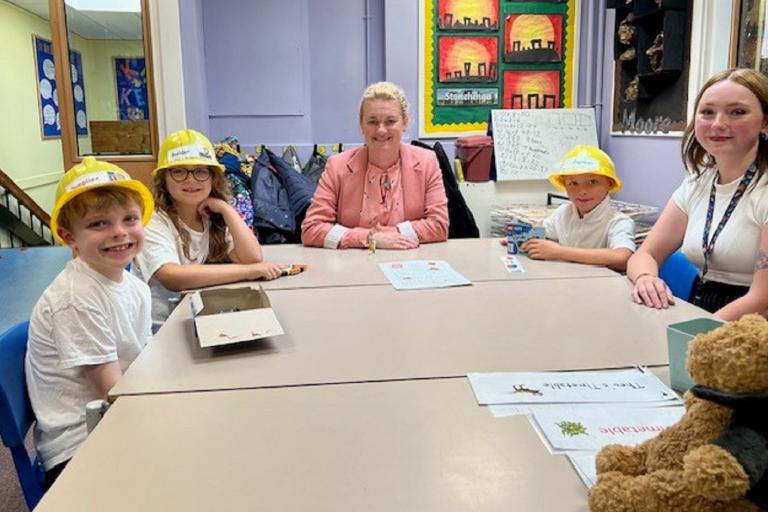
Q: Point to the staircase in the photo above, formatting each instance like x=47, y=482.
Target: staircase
x=22, y=222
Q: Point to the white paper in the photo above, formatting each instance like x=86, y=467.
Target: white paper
x=570, y=428
x=512, y=264
x=529, y=144
x=506, y=410
x=421, y=274
x=584, y=464
x=635, y=385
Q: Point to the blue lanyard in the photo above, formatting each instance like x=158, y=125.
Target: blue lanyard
x=707, y=244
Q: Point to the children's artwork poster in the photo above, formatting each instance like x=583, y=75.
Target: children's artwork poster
x=478, y=55
x=131, y=82
x=45, y=68
x=533, y=38
x=467, y=59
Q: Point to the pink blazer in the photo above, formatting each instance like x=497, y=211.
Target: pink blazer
x=339, y=195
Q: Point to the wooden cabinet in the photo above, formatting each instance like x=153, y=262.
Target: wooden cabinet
x=651, y=51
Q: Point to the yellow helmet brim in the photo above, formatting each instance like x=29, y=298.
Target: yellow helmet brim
x=558, y=179
x=135, y=185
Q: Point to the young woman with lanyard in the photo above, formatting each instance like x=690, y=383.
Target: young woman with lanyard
x=718, y=214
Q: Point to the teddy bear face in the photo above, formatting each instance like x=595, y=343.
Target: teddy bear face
x=732, y=358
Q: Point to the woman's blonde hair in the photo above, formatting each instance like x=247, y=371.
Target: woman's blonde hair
x=385, y=91
x=696, y=158
x=217, y=239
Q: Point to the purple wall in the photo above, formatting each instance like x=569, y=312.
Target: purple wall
x=282, y=72
x=193, y=55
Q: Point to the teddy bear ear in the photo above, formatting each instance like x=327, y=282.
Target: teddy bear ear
x=732, y=358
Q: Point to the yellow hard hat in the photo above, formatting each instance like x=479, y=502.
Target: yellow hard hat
x=585, y=159
x=186, y=148
x=91, y=174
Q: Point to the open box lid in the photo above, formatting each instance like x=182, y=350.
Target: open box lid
x=224, y=316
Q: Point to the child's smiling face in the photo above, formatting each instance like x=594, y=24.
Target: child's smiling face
x=586, y=191
x=192, y=189
x=108, y=238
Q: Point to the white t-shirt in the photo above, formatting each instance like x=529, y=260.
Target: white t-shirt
x=604, y=227
x=738, y=245
x=162, y=245
x=82, y=318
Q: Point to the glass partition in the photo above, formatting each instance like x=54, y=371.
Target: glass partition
x=108, y=71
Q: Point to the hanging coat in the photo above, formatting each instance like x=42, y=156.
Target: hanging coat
x=461, y=221
x=273, y=219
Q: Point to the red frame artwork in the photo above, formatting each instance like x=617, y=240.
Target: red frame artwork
x=531, y=89
x=469, y=59
x=468, y=15
x=530, y=38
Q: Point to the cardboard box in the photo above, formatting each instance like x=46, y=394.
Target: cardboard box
x=678, y=337
x=224, y=316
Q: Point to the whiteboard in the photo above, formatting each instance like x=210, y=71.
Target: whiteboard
x=529, y=144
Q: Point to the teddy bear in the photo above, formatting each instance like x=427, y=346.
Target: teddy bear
x=716, y=457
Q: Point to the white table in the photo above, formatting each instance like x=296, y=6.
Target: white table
x=476, y=259
x=375, y=333
x=395, y=446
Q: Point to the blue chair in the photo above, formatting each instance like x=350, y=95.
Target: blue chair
x=680, y=275
x=16, y=415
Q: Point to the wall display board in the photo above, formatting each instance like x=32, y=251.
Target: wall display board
x=48, y=98
x=651, y=54
x=131, y=83
x=477, y=55
x=529, y=144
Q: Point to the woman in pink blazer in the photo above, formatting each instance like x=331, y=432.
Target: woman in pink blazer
x=384, y=193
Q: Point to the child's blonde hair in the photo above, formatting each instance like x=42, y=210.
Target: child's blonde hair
x=217, y=239
x=98, y=199
x=385, y=91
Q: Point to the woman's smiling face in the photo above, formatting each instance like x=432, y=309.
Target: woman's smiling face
x=382, y=124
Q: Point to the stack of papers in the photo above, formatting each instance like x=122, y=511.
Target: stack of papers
x=422, y=274
x=578, y=413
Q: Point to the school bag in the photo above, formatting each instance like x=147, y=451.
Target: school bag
x=315, y=166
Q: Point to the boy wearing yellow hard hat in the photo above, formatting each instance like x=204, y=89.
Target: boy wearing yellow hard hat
x=94, y=318
x=588, y=229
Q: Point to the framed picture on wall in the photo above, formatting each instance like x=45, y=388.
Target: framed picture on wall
x=131, y=86
x=479, y=55
x=47, y=93
x=749, y=40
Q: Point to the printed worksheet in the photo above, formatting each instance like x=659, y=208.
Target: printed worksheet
x=512, y=264
x=422, y=274
x=584, y=464
x=506, y=410
x=634, y=385
x=590, y=428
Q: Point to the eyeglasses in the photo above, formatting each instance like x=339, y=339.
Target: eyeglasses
x=180, y=174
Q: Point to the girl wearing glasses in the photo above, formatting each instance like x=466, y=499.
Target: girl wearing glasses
x=194, y=224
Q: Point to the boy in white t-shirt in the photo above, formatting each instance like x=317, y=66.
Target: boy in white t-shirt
x=587, y=229
x=95, y=317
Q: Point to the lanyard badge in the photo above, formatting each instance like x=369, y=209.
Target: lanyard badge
x=708, y=244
